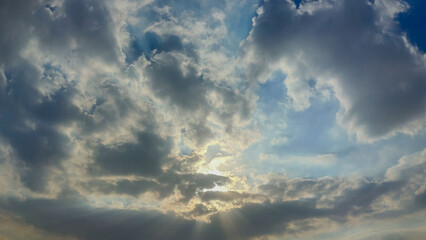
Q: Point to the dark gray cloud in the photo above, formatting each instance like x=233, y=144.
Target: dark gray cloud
x=344, y=196
x=181, y=85
x=224, y=196
x=39, y=98
x=295, y=188
x=234, y=105
x=29, y=119
x=351, y=198
x=78, y=28
x=379, y=82
x=354, y=197
x=201, y=210
x=127, y=187
x=175, y=70
x=145, y=157
x=164, y=185
x=48, y=114
x=360, y=200
x=191, y=184
x=169, y=81
x=14, y=28
x=257, y=220
x=70, y=216
x=74, y=218
x=82, y=27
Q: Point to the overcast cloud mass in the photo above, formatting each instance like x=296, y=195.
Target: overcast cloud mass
x=198, y=120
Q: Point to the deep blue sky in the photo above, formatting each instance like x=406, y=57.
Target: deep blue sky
x=413, y=22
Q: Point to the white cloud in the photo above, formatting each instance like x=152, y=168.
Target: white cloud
x=353, y=46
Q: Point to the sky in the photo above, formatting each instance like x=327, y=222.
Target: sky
x=198, y=120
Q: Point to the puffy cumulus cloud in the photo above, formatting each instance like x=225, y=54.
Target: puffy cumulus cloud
x=354, y=46
x=29, y=121
x=411, y=166
x=127, y=119
x=82, y=29
x=182, y=64
x=182, y=85
x=302, y=201
x=400, y=192
x=342, y=198
x=86, y=94
x=38, y=96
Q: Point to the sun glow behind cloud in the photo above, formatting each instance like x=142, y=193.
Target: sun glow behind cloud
x=212, y=119
x=212, y=166
x=216, y=188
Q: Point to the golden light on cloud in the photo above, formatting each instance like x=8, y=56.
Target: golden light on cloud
x=216, y=188
x=177, y=120
x=213, y=166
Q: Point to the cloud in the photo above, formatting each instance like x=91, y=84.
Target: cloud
x=200, y=210
x=300, y=201
x=130, y=105
x=223, y=196
x=69, y=98
x=29, y=121
x=38, y=98
x=14, y=227
x=411, y=166
x=356, y=195
x=142, y=158
x=168, y=80
x=194, y=183
x=85, y=27
x=415, y=234
x=353, y=46
x=74, y=218
x=164, y=185
x=257, y=220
